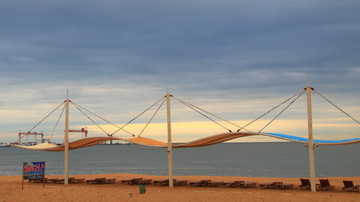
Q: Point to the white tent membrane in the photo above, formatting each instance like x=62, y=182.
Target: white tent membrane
x=206, y=141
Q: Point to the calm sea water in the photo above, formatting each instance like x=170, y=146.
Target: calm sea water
x=228, y=159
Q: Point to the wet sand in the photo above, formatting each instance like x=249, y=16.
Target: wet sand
x=10, y=190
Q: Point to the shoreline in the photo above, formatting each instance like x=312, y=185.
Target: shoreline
x=10, y=190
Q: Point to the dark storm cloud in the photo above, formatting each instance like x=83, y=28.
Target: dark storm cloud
x=203, y=49
x=196, y=35
x=163, y=38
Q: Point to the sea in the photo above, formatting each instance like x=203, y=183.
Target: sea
x=276, y=159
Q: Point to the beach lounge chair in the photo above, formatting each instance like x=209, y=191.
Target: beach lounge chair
x=271, y=185
x=50, y=180
x=305, y=184
x=180, y=182
x=265, y=185
x=349, y=186
x=248, y=185
x=214, y=184
x=143, y=181
x=90, y=181
x=233, y=184
x=162, y=182
x=110, y=181
x=96, y=181
x=71, y=180
x=166, y=182
x=325, y=185
x=100, y=180
x=60, y=181
x=37, y=180
x=201, y=183
x=131, y=181
x=79, y=180
x=285, y=186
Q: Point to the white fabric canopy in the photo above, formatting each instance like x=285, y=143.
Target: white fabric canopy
x=206, y=141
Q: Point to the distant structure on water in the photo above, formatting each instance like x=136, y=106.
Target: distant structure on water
x=2, y=144
x=34, y=138
x=30, y=139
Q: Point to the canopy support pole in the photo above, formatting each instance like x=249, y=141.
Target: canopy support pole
x=169, y=149
x=311, y=141
x=66, y=141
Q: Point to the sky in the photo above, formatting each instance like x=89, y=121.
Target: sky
x=235, y=59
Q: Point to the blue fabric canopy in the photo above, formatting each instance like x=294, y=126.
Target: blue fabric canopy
x=306, y=140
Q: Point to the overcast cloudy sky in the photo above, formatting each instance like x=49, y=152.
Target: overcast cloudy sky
x=235, y=58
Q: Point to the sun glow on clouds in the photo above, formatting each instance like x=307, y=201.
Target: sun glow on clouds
x=189, y=131
x=237, y=69
x=187, y=125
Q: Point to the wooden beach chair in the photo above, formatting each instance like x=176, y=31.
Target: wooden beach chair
x=131, y=181
x=166, y=182
x=71, y=180
x=248, y=185
x=35, y=180
x=201, y=183
x=50, y=180
x=143, y=181
x=285, y=186
x=38, y=180
x=233, y=184
x=349, y=186
x=265, y=185
x=96, y=181
x=271, y=185
x=60, y=181
x=180, y=182
x=214, y=184
x=305, y=184
x=110, y=181
x=100, y=180
x=90, y=181
x=325, y=185
x=162, y=182
x=79, y=180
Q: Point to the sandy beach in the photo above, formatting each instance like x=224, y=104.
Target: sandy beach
x=10, y=190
